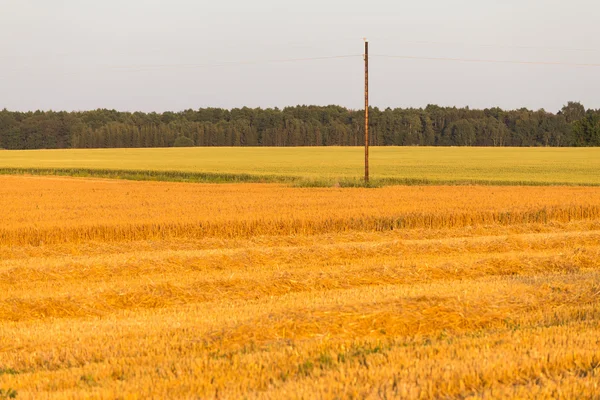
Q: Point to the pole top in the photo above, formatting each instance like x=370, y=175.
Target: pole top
x=366, y=40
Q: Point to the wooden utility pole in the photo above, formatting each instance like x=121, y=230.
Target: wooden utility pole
x=366, y=111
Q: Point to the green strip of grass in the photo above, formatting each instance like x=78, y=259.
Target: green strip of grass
x=375, y=183
x=295, y=181
x=149, y=175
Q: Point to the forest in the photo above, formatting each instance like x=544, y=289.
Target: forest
x=303, y=125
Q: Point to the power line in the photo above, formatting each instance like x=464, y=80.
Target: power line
x=307, y=43
x=487, y=61
x=228, y=63
x=492, y=45
x=149, y=67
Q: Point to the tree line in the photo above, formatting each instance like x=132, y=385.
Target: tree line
x=331, y=125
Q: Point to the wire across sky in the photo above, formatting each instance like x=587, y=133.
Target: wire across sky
x=146, y=67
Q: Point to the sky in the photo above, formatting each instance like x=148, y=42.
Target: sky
x=159, y=55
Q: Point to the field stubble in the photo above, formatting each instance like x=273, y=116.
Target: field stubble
x=115, y=289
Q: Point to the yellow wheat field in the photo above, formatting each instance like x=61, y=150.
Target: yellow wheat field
x=135, y=290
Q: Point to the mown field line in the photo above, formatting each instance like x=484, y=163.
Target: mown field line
x=158, y=294
x=552, y=230
x=481, y=244
x=248, y=228
x=94, y=267
x=196, y=320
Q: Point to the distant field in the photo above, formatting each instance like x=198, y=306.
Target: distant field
x=321, y=165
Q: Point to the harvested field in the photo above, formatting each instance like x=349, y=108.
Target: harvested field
x=118, y=289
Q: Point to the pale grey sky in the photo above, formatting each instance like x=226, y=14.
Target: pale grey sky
x=84, y=54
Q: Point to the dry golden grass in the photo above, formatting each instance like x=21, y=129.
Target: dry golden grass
x=34, y=212
x=115, y=289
